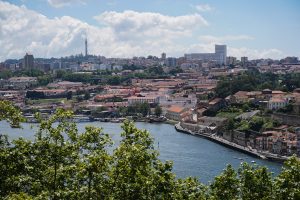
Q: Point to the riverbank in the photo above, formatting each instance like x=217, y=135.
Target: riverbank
x=246, y=150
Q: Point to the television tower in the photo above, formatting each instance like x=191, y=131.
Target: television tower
x=86, y=47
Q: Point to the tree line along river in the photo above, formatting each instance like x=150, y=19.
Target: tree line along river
x=192, y=155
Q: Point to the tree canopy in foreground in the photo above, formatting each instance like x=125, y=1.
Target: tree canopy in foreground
x=61, y=163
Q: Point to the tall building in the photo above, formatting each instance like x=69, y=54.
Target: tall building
x=86, y=47
x=171, y=62
x=163, y=56
x=230, y=60
x=28, y=61
x=244, y=60
x=219, y=56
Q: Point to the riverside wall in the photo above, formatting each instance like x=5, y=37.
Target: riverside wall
x=246, y=150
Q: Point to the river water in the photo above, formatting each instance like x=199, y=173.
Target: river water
x=192, y=155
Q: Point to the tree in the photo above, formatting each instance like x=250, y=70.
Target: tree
x=256, y=123
x=144, y=108
x=255, y=182
x=287, y=183
x=136, y=171
x=158, y=111
x=226, y=185
x=114, y=80
x=87, y=95
x=10, y=113
x=69, y=95
x=61, y=163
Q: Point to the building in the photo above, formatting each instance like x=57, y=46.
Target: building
x=18, y=83
x=219, y=56
x=171, y=62
x=177, y=113
x=231, y=60
x=276, y=103
x=86, y=47
x=139, y=99
x=163, y=56
x=244, y=60
x=28, y=62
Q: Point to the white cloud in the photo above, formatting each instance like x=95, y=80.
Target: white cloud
x=223, y=39
x=121, y=34
x=254, y=53
x=62, y=3
x=124, y=34
x=204, y=7
x=140, y=25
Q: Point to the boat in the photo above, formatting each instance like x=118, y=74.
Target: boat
x=115, y=121
x=253, y=161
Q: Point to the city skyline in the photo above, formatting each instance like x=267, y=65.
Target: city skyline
x=56, y=28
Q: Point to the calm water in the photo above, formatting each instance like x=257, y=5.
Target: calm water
x=192, y=156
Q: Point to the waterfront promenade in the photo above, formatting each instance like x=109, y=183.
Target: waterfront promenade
x=222, y=141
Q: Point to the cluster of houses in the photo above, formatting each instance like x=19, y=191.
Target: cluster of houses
x=184, y=98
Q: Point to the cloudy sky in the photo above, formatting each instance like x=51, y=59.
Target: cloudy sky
x=126, y=28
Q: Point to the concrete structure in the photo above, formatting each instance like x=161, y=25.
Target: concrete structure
x=219, y=56
x=176, y=113
x=86, y=47
x=28, y=62
x=276, y=103
x=163, y=56
x=231, y=60
x=171, y=62
x=244, y=60
x=18, y=83
x=148, y=99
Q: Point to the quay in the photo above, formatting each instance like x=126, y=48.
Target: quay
x=246, y=150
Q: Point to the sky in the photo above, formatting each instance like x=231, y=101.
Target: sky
x=127, y=28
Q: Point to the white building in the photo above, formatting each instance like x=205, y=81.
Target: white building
x=146, y=99
x=276, y=103
x=219, y=56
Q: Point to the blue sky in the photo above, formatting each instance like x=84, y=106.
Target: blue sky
x=125, y=28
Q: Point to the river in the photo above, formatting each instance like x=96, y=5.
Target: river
x=192, y=155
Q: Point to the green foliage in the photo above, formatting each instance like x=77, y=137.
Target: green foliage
x=5, y=74
x=225, y=185
x=61, y=163
x=85, y=78
x=253, y=80
x=175, y=71
x=158, y=111
x=29, y=72
x=137, y=108
x=287, y=183
x=156, y=70
x=114, y=80
x=255, y=182
x=45, y=79
x=87, y=95
x=256, y=123
x=10, y=113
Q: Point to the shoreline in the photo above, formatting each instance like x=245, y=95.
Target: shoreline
x=221, y=141
x=176, y=124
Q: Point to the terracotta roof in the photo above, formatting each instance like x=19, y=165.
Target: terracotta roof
x=176, y=109
x=241, y=93
x=278, y=100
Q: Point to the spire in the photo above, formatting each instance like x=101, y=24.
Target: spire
x=86, y=47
